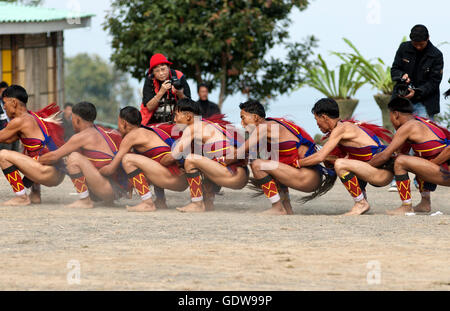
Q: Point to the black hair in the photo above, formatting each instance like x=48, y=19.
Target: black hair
x=253, y=106
x=326, y=106
x=3, y=85
x=17, y=92
x=131, y=115
x=68, y=105
x=419, y=33
x=203, y=84
x=188, y=105
x=85, y=111
x=401, y=104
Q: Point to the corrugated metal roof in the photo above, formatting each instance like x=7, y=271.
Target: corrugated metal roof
x=16, y=13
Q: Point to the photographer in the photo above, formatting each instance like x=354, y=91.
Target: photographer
x=418, y=69
x=162, y=89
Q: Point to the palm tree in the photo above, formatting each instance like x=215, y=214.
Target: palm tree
x=376, y=73
x=341, y=85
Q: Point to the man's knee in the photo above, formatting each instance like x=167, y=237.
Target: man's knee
x=127, y=159
x=401, y=161
x=3, y=154
x=339, y=165
x=256, y=165
x=74, y=159
x=191, y=160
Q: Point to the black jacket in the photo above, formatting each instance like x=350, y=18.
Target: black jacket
x=208, y=108
x=429, y=73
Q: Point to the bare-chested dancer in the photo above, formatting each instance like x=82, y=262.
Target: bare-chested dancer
x=40, y=133
x=356, y=141
x=276, y=176
x=89, y=150
x=151, y=161
x=216, y=144
x=428, y=140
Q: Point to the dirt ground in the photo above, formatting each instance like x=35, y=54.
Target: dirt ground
x=233, y=248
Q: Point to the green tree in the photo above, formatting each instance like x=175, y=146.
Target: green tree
x=223, y=43
x=90, y=78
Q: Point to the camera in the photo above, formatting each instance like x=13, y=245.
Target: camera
x=403, y=87
x=176, y=83
x=164, y=112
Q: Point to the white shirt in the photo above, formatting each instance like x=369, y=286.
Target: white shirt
x=3, y=116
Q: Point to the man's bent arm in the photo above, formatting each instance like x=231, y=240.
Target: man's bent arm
x=336, y=136
x=184, y=142
x=125, y=147
x=73, y=144
x=10, y=133
x=443, y=157
x=397, y=142
x=248, y=145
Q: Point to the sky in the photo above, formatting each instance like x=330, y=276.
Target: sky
x=376, y=27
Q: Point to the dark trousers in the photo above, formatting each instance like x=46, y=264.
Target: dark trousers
x=14, y=146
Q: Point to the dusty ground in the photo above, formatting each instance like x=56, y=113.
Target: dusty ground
x=233, y=248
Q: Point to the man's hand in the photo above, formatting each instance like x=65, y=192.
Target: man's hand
x=406, y=77
x=410, y=94
x=107, y=170
x=48, y=159
x=168, y=160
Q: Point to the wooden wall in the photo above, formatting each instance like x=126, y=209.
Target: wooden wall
x=37, y=64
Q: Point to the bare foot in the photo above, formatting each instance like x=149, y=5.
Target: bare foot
x=144, y=206
x=160, y=204
x=22, y=200
x=277, y=209
x=194, y=207
x=402, y=210
x=288, y=207
x=360, y=208
x=424, y=206
x=83, y=204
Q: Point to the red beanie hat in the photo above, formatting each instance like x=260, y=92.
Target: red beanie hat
x=158, y=59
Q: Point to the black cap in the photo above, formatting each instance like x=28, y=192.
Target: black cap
x=419, y=33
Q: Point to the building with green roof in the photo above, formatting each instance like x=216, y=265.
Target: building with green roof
x=32, y=49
